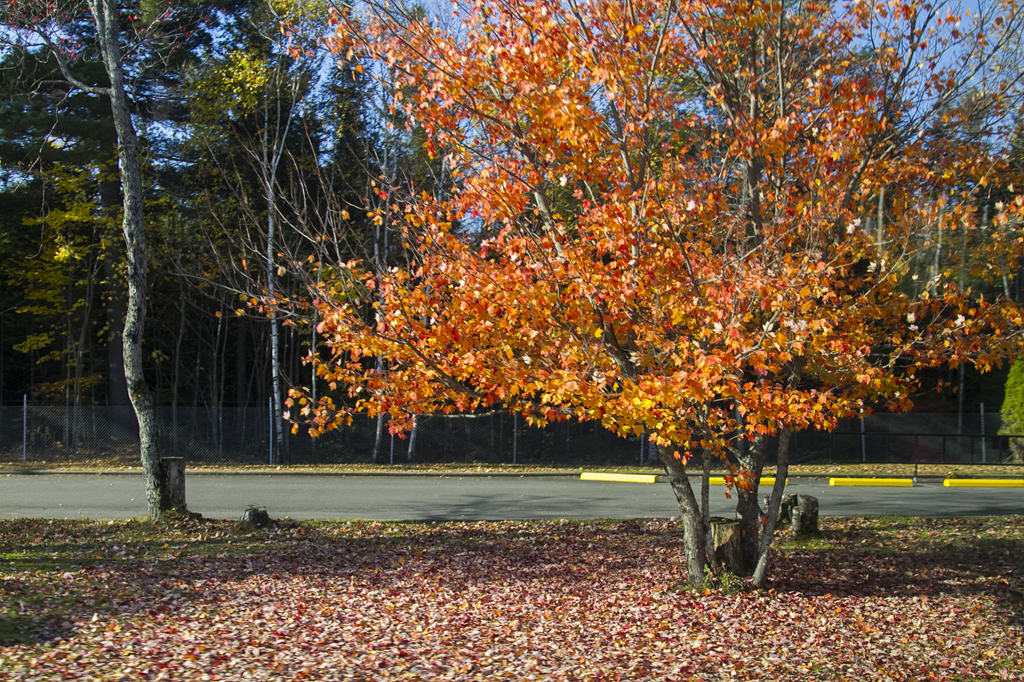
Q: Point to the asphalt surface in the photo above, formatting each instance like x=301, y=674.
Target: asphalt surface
x=384, y=497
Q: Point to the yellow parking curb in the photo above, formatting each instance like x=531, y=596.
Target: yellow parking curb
x=983, y=483
x=883, y=482
x=720, y=480
x=621, y=478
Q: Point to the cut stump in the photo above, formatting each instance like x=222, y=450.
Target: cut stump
x=725, y=537
x=172, y=476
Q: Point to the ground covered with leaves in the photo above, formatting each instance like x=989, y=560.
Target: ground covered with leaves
x=868, y=599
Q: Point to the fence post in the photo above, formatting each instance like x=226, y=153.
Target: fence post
x=863, y=442
x=984, y=459
x=24, y=428
x=270, y=433
x=515, y=436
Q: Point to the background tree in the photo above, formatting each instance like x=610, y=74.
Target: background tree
x=1013, y=411
x=121, y=39
x=202, y=174
x=275, y=140
x=61, y=187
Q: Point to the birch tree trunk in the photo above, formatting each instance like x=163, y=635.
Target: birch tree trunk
x=277, y=405
x=105, y=15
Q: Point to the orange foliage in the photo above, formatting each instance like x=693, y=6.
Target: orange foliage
x=660, y=219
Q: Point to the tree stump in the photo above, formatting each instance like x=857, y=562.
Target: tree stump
x=725, y=538
x=800, y=512
x=785, y=509
x=172, y=477
x=255, y=517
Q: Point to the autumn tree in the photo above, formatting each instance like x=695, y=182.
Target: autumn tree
x=818, y=133
x=659, y=223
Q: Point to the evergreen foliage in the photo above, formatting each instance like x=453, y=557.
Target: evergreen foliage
x=1012, y=412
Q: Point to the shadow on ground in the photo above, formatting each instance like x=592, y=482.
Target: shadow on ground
x=57, y=575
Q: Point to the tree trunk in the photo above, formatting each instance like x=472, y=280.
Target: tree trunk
x=410, y=454
x=269, y=160
x=705, y=512
x=275, y=371
x=106, y=17
x=117, y=384
x=748, y=508
x=772, y=513
x=83, y=335
x=115, y=306
x=243, y=365
x=378, y=441
x=176, y=373
x=694, y=543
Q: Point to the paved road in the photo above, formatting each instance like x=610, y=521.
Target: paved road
x=453, y=497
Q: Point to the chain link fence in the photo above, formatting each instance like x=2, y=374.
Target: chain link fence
x=925, y=438
x=242, y=435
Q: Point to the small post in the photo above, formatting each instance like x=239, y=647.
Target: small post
x=270, y=433
x=24, y=427
x=984, y=458
x=863, y=442
x=391, y=456
x=515, y=436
